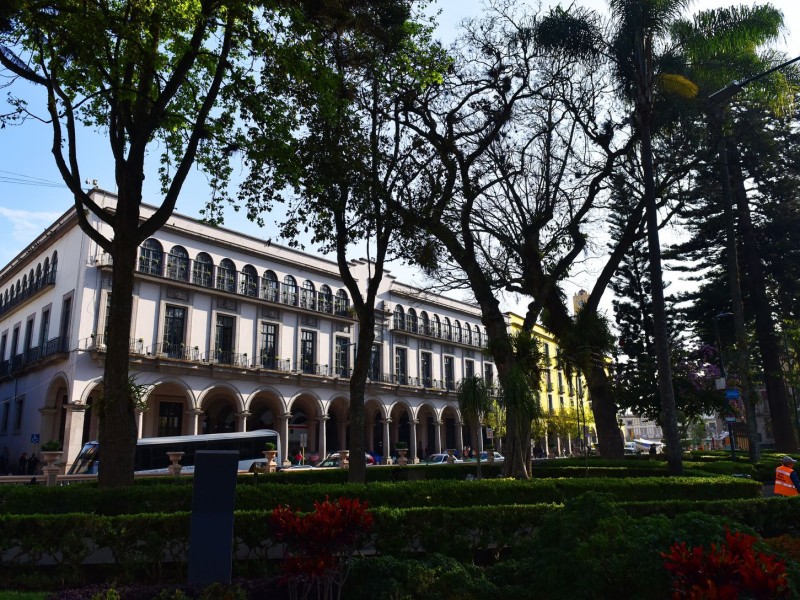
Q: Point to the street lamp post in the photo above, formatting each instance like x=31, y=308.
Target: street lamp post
x=724, y=380
x=719, y=100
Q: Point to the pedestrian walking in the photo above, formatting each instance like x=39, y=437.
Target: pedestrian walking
x=787, y=483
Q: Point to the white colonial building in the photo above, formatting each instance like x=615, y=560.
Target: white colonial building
x=229, y=333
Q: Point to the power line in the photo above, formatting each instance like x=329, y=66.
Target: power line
x=30, y=180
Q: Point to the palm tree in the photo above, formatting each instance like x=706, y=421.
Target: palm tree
x=641, y=28
x=474, y=401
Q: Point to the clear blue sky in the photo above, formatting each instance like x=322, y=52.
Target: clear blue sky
x=32, y=195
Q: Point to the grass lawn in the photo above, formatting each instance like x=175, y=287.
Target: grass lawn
x=9, y=595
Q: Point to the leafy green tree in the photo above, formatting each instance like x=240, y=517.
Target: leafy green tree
x=511, y=182
x=145, y=74
x=343, y=159
x=474, y=400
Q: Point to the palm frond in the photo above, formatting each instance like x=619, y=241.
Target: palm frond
x=678, y=85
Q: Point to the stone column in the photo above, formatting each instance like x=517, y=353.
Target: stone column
x=437, y=436
x=73, y=433
x=412, y=441
x=197, y=420
x=241, y=421
x=139, y=422
x=322, y=443
x=49, y=423
x=460, y=438
x=283, y=430
x=386, y=448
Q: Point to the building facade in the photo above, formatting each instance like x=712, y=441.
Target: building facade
x=562, y=397
x=229, y=333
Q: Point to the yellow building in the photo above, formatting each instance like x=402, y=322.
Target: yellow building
x=568, y=421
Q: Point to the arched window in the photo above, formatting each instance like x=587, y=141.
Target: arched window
x=47, y=267
x=249, y=282
x=326, y=299
x=448, y=329
x=424, y=323
x=269, y=286
x=30, y=278
x=6, y=297
x=309, y=296
x=477, y=336
x=178, y=264
x=457, y=332
x=54, y=264
x=151, y=257
x=226, y=275
x=467, y=334
x=24, y=283
x=399, y=317
x=19, y=288
x=289, y=290
x=411, y=320
x=342, y=303
x=38, y=274
x=437, y=326
x=202, y=268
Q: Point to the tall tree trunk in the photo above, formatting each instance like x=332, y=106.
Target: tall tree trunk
x=117, y=419
x=742, y=362
x=777, y=396
x=669, y=417
x=605, y=413
x=358, y=384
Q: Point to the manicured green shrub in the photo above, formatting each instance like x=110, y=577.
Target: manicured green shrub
x=434, y=577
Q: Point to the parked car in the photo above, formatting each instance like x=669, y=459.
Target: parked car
x=440, y=459
x=333, y=461
x=497, y=456
x=630, y=448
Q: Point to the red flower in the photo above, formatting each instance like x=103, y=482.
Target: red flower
x=319, y=544
x=726, y=572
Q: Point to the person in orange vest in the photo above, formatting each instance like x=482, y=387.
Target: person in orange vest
x=787, y=483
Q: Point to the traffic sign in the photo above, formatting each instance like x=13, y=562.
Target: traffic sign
x=730, y=419
x=731, y=394
x=34, y=438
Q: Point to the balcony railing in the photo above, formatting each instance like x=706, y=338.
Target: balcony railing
x=410, y=326
x=242, y=283
x=267, y=362
x=31, y=356
x=47, y=279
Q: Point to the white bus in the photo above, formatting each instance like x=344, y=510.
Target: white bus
x=151, y=453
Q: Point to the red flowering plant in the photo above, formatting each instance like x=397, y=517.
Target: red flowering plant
x=729, y=571
x=319, y=545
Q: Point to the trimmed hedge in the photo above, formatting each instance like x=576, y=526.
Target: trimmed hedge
x=140, y=545
x=176, y=497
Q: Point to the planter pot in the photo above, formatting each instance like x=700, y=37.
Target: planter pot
x=270, y=456
x=175, y=459
x=50, y=457
x=402, y=459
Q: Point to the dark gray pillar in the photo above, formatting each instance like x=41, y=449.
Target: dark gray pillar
x=211, y=533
